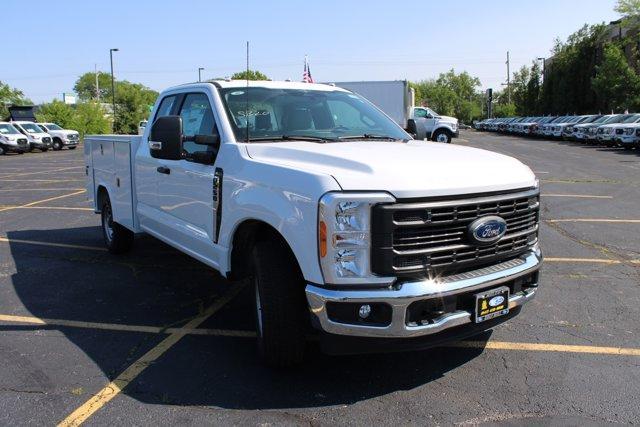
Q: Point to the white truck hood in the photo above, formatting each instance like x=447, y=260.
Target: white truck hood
x=406, y=170
x=448, y=119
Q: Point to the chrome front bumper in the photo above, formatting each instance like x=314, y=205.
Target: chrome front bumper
x=400, y=297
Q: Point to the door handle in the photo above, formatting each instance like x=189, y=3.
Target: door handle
x=163, y=169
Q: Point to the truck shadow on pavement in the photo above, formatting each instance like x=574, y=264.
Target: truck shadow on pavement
x=155, y=285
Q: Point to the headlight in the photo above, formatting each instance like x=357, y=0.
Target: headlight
x=344, y=237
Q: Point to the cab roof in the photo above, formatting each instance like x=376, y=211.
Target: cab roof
x=271, y=84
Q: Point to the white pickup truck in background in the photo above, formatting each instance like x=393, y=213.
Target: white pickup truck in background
x=344, y=225
x=397, y=99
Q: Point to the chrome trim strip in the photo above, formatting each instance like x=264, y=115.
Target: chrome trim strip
x=400, y=297
x=470, y=201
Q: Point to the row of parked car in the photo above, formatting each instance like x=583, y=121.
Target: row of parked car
x=612, y=130
x=23, y=136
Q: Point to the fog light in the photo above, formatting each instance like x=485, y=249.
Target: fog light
x=365, y=311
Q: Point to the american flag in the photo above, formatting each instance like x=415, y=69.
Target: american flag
x=306, y=76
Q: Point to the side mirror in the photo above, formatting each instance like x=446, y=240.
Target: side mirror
x=165, y=139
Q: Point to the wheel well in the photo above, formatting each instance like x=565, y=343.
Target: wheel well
x=57, y=138
x=246, y=236
x=102, y=194
x=445, y=130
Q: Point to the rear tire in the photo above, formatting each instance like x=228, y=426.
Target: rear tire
x=117, y=238
x=281, y=307
x=442, y=136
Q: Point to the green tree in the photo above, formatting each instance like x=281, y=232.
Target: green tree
x=132, y=106
x=249, y=75
x=628, y=7
x=616, y=83
x=10, y=96
x=85, y=86
x=451, y=94
x=90, y=118
x=57, y=112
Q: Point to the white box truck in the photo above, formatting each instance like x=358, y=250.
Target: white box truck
x=397, y=99
x=344, y=226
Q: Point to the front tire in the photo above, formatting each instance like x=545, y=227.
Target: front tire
x=280, y=304
x=117, y=238
x=2, y=151
x=442, y=136
x=57, y=144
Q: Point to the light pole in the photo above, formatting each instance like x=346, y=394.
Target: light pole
x=113, y=88
x=199, y=75
x=544, y=65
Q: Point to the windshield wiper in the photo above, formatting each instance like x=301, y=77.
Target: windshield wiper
x=369, y=136
x=291, y=138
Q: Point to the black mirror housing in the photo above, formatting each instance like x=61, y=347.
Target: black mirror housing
x=165, y=139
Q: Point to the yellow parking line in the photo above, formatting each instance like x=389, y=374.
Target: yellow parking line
x=55, y=245
x=39, y=172
x=578, y=196
x=31, y=320
x=114, y=388
x=69, y=208
x=44, y=200
x=605, y=220
x=493, y=345
x=560, y=348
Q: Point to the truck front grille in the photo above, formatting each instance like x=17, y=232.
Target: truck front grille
x=431, y=238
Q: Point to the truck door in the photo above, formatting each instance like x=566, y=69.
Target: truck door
x=186, y=194
x=146, y=172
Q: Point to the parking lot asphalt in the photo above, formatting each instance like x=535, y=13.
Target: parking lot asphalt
x=154, y=337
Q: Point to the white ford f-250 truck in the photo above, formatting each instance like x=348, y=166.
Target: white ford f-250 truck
x=343, y=224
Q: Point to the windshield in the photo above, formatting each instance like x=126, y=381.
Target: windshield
x=52, y=126
x=602, y=119
x=31, y=127
x=631, y=119
x=6, y=129
x=287, y=113
x=616, y=119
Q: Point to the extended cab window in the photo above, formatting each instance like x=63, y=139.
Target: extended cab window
x=197, y=119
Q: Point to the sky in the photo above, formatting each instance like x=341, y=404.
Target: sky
x=163, y=43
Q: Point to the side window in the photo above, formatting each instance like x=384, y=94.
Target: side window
x=420, y=113
x=197, y=119
x=166, y=106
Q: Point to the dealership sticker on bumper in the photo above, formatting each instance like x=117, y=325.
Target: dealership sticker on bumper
x=491, y=304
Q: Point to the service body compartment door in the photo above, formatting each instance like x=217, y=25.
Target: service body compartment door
x=122, y=198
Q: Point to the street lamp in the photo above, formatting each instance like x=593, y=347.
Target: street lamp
x=113, y=88
x=199, y=75
x=544, y=65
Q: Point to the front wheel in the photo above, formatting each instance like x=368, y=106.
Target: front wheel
x=442, y=136
x=2, y=151
x=57, y=144
x=117, y=238
x=44, y=149
x=280, y=304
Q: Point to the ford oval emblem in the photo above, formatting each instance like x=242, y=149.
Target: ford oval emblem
x=487, y=230
x=495, y=301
